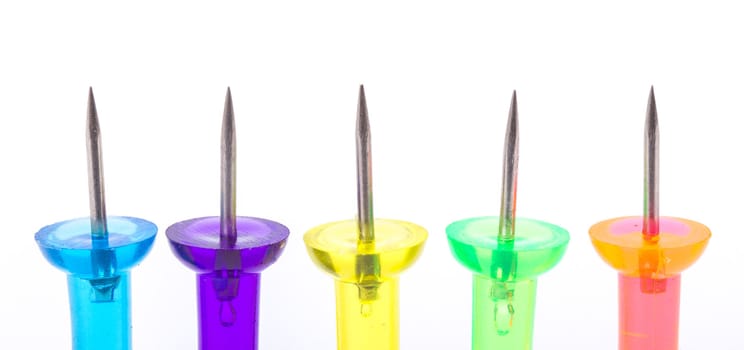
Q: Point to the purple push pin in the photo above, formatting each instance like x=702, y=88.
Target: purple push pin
x=228, y=254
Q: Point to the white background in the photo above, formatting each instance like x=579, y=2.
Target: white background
x=438, y=77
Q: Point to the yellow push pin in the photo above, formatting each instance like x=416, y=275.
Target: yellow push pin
x=365, y=257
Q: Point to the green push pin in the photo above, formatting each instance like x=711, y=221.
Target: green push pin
x=506, y=254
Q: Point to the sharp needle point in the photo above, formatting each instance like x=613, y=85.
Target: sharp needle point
x=651, y=170
x=365, y=216
x=509, y=176
x=96, y=195
x=228, y=230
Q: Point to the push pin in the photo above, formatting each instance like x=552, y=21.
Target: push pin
x=506, y=255
x=649, y=252
x=365, y=257
x=97, y=254
x=228, y=253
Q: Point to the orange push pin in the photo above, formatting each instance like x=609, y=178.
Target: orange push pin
x=649, y=252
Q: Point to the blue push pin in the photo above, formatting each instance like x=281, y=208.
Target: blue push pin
x=97, y=254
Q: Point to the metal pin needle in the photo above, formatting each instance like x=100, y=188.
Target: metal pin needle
x=365, y=215
x=98, y=228
x=228, y=231
x=509, y=176
x=651, y=170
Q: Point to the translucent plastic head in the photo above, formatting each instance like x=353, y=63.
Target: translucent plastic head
x=98, y=276
x=335, y=247
x=505, y=275
x=68, y=245
x=196, y=242
x=649, y=275
x=537, y=247
x=621, y=244
x=366, y=274
x=228, y=278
